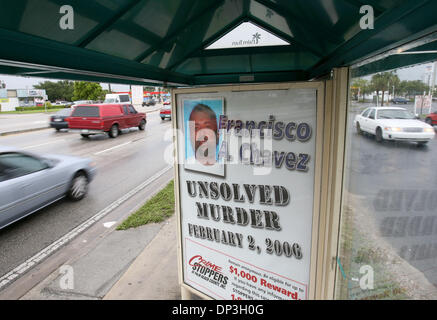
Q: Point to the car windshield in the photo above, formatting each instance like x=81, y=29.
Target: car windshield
x=112, y=100
x=64, y=112
x=395, y=114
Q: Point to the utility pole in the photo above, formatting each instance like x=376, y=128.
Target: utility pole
x=434, y=69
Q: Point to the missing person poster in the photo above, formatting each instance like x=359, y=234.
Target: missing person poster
x=246, y=186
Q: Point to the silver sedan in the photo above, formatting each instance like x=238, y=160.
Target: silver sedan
x=29, y=182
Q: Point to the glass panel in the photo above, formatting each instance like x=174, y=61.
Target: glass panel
x=86, y=111
x=388, y=236
x=121, y=44
x=270, y=16
x=190, y=39
x=42, y=18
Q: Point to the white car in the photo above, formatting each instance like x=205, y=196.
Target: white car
x=79, y=102
x=392, y=123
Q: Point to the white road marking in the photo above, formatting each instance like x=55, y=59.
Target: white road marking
x=109, y=224
x=44, y=253
x=42, y=144
x=109, y=149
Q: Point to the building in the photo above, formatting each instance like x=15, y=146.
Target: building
x=10, y=99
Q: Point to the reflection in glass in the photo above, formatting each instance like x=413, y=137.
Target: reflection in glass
x=388, y=236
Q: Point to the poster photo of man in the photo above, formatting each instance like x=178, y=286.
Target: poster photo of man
x=202, y=137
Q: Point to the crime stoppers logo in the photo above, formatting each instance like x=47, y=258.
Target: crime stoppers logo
x=208, y=271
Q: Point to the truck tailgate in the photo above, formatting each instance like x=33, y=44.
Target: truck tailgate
x=85, y=117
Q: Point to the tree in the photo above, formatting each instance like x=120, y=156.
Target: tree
x=384, y=82
x=394, y=82
x=377, y=83
x=58, y=90
x=88, y=91
x=412, y=88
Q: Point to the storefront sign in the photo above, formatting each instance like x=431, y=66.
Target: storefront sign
x=247, y=192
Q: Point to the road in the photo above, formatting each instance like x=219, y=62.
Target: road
x=396, y=183
x=122, y=163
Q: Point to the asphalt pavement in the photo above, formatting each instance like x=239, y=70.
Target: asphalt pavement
x=122, y=164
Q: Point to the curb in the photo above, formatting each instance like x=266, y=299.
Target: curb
x=22, y=131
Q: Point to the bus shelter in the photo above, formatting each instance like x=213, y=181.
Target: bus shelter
x=265, y=157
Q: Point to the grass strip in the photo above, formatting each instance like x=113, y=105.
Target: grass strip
x=31, y=111
x=157, y=209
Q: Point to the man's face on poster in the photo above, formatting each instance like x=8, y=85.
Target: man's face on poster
x=206, y=136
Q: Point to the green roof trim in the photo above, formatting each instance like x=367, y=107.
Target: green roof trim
x=162, y=42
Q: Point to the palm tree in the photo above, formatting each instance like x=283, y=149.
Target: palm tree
x=256, y=37
x=383, y=82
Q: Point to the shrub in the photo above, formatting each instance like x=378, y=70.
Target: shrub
x=42, y=108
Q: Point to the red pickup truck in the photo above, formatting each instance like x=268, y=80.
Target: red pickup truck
x=431, y=119
x=111, y=118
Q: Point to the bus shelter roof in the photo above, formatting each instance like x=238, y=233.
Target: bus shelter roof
x=165, y=42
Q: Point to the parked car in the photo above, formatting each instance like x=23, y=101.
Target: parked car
x=117, y=98
x=165, y=112
x=99, y=118
x=29, y=182
x=58, y=120
x=149, y=102
x=431, y=119
x=63, y=103
x=393, y=123
x=79, y=102
x=166, y=102
x=399, y=101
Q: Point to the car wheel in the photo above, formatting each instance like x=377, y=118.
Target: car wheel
x=57, y=129
x=422, y=143
x=428, y=121
x=359, y=128
x=113, y=132
x=78, y=187
x=378, y=135
x=142, y=125
x=86, y=136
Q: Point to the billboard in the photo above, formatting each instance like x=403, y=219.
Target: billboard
x=422, y=104
x=246, y=185
x=137, y=95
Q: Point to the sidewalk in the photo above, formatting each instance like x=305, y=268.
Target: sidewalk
x=154, y=274
x=135, y=264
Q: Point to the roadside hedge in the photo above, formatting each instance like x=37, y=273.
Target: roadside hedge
x=42, y=108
